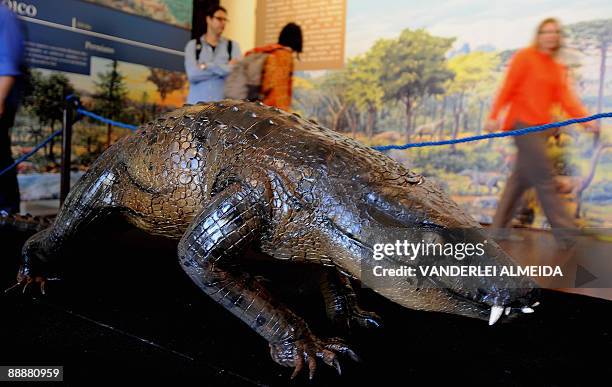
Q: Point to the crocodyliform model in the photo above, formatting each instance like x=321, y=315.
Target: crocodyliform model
x=225, y=176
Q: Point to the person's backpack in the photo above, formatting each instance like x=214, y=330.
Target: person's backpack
x=244, y=81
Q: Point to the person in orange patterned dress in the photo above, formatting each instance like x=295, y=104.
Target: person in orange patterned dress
x=276, y=84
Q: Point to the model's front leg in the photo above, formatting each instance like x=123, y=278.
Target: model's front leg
x=89, y=201
x=234, y=219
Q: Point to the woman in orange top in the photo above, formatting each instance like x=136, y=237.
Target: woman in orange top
x=276, y=84
x=536, y=81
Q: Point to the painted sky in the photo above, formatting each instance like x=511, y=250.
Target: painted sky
x=503, y=24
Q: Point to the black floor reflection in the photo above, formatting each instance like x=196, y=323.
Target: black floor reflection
x=125, y=309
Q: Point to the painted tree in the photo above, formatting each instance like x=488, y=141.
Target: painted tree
x=166, y=81
x=333, y=97
x=472, y=71
x=414, y=66
x=586, y=181
x=594, y=36
x=363, y=88
x=305, y=99
x=483, y=94
x=144, y=111
x=46, y=101
x=110, y=97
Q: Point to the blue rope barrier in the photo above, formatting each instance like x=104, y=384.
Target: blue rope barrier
x=106, y=120
x=30, y=153
x=517, y=132
x=382, y=148
x=74, y=98
x=45, y=142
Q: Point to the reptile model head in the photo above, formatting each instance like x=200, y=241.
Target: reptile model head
x=408, y=224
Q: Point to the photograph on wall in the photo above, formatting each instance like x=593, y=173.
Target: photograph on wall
x=175, y=12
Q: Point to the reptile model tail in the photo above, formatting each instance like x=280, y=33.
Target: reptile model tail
x=24, y=223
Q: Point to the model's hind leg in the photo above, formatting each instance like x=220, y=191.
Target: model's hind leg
x=233, y=220
x=90, y=200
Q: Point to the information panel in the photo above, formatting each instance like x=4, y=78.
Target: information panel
x=323, y=24
x=64, y=34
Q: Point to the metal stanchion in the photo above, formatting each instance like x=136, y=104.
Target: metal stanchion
x=68, y=118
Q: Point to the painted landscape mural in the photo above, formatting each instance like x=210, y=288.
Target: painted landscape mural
x=428, y=72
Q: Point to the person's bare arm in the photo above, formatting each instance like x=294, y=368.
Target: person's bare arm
x=6, y=83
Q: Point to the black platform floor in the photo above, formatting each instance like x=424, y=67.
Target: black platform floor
x=125, y=310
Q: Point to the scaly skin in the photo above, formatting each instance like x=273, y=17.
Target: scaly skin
x=221, y=177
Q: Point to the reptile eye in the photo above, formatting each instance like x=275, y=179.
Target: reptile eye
x=383, y=218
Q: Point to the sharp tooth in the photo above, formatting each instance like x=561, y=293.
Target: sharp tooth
x=507, y=311
x=496, y=312
x=535, y=304
x=527, y=310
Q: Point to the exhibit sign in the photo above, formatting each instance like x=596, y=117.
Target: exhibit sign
x=63, y=35
x=323, y=24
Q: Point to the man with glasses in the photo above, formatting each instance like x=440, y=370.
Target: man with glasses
x=208, y=60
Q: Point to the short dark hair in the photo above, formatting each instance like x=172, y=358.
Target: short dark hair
x=291, y=36
x=210, y=12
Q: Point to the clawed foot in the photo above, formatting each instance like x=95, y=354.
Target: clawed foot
x=24, y=280
x=34, y=269
x=306, y=351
